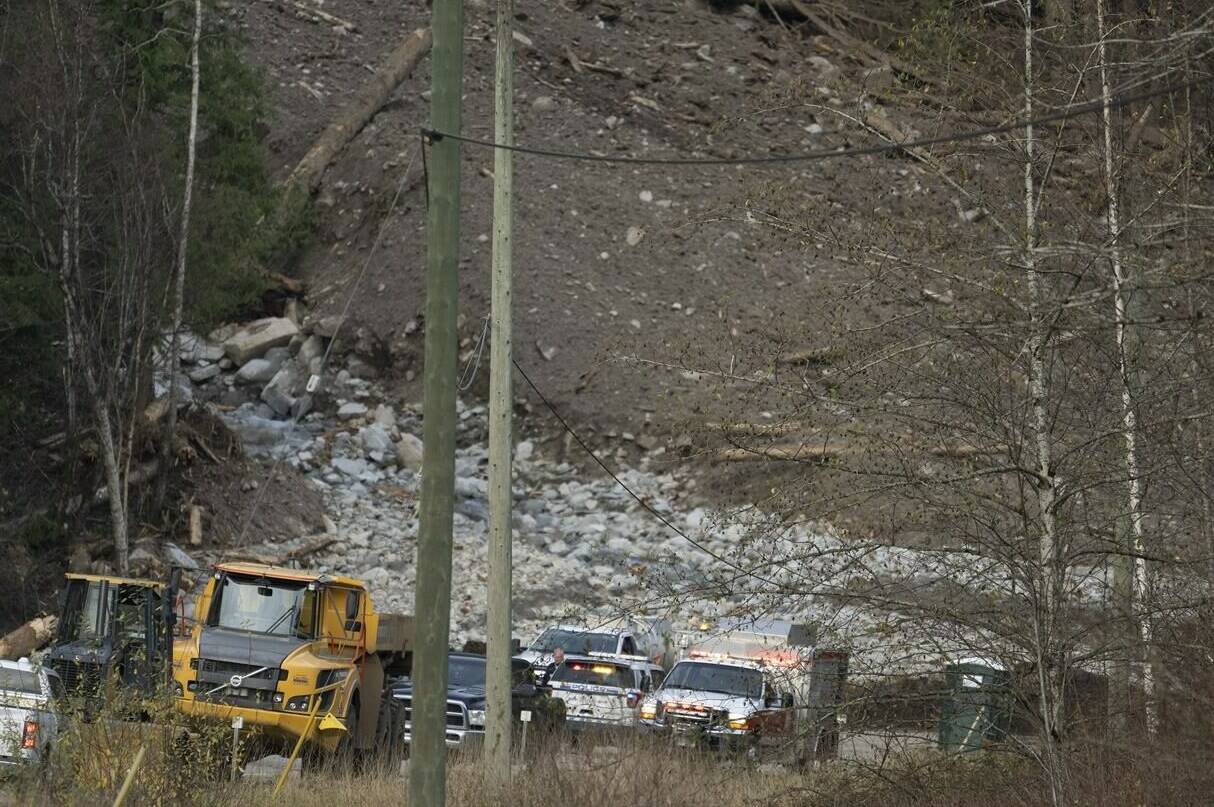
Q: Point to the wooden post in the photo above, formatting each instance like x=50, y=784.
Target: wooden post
x=427, y=770
x=498, y=709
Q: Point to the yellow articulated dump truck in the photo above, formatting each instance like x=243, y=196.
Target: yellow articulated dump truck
x=295, y=655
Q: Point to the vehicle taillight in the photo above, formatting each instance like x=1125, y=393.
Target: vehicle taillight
x=29, y=736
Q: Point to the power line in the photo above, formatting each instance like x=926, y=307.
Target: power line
x=641, y=501
x=433, y=135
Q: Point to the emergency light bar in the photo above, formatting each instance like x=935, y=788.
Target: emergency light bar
x=617, y=656
x=769, y=658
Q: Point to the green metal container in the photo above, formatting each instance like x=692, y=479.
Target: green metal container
x=978, y=706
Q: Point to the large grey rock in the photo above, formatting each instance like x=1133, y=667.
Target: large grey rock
x=208, y=351
x=350, y=467
x=176, y=556
x=409, y=452
x=279, y=394
x=375, y=439
x=470, y=486
x=312, y=348
x=524, y=450
x=278, y=355
x=324, y=326
x=201, y=375
x=474, y=509
x=385, y=416
x=256, y=371
x=351, y=410
x=254, y=339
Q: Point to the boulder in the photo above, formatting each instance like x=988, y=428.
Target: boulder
x=200, y=375
x=256, y=371
x=350, y=467
x=524, y=450
x=385, y=416
x=279, y=394
x=254, y=339
x=312, y=348
x=176, y=556
x=409, y=452
x=375, y=439
x=324, y=326
x=351, y=410
x=208, y=351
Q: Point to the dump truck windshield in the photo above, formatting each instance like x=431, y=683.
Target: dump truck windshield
x=257, y=605
x=720, y=678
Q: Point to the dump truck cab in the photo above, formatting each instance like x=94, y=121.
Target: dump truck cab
x=294, y=654
x=113, y=629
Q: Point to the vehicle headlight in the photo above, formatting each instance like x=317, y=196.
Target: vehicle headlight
x=476, y=717
x=298, y=703
x=738, y=721
x=649, y=710
x=178, y=691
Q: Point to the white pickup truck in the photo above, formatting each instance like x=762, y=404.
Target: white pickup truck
x=649, y=638
x=28, y=723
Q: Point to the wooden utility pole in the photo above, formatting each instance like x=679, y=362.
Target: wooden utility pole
x=498, y=711
x=427, y=768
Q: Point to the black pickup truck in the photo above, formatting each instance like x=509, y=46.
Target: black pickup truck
x=466, y=702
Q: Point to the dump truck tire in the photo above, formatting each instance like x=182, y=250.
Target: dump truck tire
x=388, y=749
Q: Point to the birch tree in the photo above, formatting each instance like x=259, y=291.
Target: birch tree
x=183, y=240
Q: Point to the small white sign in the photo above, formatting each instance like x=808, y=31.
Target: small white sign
x=238, y=722
x=525, y=716
x=313, y=384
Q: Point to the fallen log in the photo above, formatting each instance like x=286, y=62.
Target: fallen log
x=810, y=355
x=799, y=452
x=399, y=64
x=821, y=452
x=759, y=429
x=313, y=14
x=195, y=525
x=29, y=637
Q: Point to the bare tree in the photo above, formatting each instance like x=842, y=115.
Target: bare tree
x=183, y=240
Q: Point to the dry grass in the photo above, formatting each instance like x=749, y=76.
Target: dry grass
x=647, y=775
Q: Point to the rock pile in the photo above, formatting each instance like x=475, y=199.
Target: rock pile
x=585, y=549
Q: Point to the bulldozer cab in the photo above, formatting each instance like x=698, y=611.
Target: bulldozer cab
x=114, y=629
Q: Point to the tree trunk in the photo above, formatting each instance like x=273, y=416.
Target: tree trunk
x=29, y=637
x=113, y=485
x=1123, y=331
x=394, y=70
x=1049, y=667
x=170, y=428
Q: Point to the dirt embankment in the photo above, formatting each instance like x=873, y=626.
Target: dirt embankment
x=626, y=275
